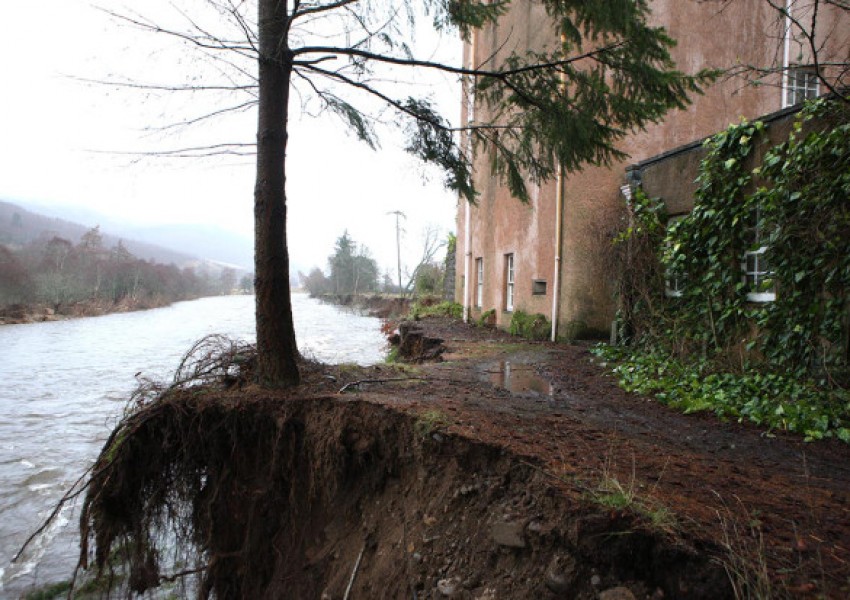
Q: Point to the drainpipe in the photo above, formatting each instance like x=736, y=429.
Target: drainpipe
x=559, y=229
x=559, y=234
x=786, y=52
x=467, y=236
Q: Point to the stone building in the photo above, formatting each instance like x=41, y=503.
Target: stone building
x=536, y=258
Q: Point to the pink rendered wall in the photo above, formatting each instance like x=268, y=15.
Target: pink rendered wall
x=710, y=34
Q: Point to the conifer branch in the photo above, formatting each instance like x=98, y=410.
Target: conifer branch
x=412, y=62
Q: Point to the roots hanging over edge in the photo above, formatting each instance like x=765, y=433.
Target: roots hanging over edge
x=199, y=479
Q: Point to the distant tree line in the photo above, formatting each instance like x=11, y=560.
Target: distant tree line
x=54, y=272
x=352, y=270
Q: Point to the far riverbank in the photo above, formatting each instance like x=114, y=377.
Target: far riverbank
x=18, y=314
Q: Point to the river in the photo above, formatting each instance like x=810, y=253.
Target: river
x=64, y=384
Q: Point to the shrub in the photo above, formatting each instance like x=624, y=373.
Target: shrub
x=487, y=319
x=777, y=401
x=533, y=327
x=443, y=309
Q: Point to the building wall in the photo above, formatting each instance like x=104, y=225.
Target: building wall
x=671, y=176
x=710, y=35
x=500, y=224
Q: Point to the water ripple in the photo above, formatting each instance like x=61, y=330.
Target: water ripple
x=65, y=384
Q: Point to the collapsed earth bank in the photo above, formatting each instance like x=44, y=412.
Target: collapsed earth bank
x=327, y=497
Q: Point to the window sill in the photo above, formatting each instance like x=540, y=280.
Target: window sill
x=761, y=296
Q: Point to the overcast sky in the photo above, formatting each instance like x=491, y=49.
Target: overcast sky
x=60, y=138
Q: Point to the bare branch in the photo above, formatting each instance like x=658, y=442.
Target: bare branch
x=337, y=76
x=211, y=43
x=320, y=8
x=360, y=382
x=226, y=149
x=370, y=90
x=165, y=88
x=250, y=35
x=211, y=115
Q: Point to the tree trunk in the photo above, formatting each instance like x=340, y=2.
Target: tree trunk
x=276, y=349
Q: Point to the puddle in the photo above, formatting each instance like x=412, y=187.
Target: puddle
x=518, y=379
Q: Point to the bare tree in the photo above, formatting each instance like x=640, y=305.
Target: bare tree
x=432, y=243
x=812, y=48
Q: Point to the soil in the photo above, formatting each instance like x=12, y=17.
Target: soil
x=510, y=469
x=769, y=495
x=16, y=314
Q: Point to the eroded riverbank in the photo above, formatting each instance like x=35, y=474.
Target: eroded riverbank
x=444, y=480
x=331, y=497
x=24, y=314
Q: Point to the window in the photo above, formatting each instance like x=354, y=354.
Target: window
x=538, y=287
x=757, y=273
x=469, y=97
x=674, y=279
x=802, y=85
x=509, y=282
x=674, y=283
x=479, y=282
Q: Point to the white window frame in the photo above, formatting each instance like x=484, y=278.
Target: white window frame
x=479, y=282
x=469, y=89
x=510, y=277
x=754, y=276
x=673, y=282
x=803, y=84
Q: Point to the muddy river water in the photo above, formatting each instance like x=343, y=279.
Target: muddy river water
x=64, y=384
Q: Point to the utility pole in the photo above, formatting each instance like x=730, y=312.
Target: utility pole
x=398, y=214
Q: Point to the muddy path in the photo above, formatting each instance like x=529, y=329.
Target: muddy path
x=769, y=495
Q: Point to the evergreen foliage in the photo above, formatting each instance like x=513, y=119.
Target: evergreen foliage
x=569, y=104
x=487, y=318
x=352, y=269
x=425, y=308
x=769, y=399
x=611, y=74
x=428, y=280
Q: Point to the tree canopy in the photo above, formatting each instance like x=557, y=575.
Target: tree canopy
x=352, y=269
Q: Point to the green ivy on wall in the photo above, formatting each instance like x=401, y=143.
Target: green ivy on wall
x=806, y=206
x=706, y=247
x=787, y=218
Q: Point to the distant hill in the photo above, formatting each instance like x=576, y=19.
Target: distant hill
x=19, y=226
x=212, y=243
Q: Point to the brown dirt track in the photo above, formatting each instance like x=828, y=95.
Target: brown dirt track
x=769, y=495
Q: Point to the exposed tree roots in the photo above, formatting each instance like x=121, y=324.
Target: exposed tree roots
x=250, y=494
